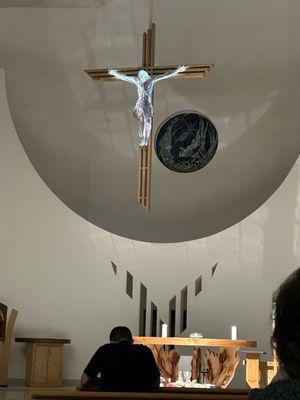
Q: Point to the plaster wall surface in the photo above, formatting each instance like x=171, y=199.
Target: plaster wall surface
x=55, y=266
x=81, y=137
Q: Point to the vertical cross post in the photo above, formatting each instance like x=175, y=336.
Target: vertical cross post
x=145, y=154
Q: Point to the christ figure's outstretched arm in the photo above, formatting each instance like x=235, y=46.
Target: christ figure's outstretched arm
x=122, y=77
x=181, y=68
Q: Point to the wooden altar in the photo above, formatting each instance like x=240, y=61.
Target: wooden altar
x=198, y=342
x=219, y=366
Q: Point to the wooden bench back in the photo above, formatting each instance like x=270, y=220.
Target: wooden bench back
x=164, y=394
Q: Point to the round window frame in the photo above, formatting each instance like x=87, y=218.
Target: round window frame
x=170, y=117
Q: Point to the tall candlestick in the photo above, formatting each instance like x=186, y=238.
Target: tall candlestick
x=234, y=332
x=164, y=330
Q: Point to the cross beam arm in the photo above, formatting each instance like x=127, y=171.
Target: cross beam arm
x=193, y=71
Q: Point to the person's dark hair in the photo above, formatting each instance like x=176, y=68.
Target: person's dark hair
x=120, y=333
x=286, y=335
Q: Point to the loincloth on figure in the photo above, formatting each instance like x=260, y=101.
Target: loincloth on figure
x=143, y=109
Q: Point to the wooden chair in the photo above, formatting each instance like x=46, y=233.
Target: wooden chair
x=259, y=373
x=5, y=348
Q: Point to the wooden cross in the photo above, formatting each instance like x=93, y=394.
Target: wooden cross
x=148, y=64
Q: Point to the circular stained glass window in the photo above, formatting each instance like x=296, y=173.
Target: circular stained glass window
x=186, y=142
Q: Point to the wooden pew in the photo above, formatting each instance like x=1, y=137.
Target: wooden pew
x=162, y=394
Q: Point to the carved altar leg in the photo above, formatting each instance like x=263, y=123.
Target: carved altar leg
x=196, y=364
x=155, y=350
x=221, y=367
x=5, y=349
x=167, y=362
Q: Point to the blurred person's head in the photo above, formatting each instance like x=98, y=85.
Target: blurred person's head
x=286, y=334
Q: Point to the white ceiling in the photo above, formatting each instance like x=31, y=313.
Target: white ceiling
x=81, y=136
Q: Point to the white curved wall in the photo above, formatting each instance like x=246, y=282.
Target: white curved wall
x=55, y=266
x=81, y=137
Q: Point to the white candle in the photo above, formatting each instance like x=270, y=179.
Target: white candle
x=164, y=330
x=234, y=332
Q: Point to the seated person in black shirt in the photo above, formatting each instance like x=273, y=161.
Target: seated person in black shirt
x=123, y=366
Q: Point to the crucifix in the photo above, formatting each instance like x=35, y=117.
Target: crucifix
x=146, y=127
